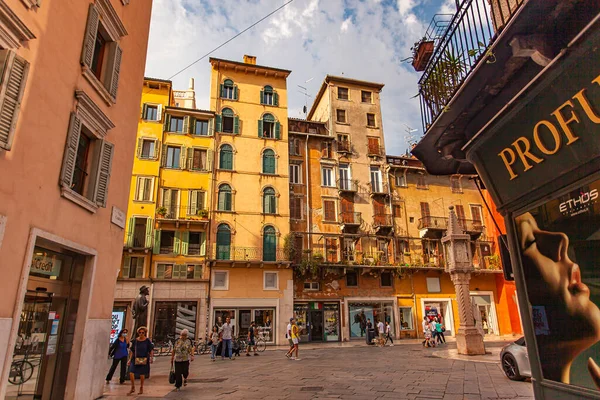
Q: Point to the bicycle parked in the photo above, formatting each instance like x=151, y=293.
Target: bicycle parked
x=22, y=370
x=164, y=347
x=201, y=346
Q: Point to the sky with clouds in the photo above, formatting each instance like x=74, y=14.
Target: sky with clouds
x=361, y=39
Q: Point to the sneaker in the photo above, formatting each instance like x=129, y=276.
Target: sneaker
x=185, y=382
x=255, y=354
x=292, y=358
x=247, y=354
x=214, y=359
x=297, y=359
x=287, y=356
x=392, y=345
x=108, y=382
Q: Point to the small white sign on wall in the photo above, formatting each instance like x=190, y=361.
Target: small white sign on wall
x=118, y=217
x=433, y=285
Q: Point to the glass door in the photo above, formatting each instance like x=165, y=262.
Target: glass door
x=316, y=326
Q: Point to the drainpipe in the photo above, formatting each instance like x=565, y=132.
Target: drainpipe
x=308, y=193
x=414, y=295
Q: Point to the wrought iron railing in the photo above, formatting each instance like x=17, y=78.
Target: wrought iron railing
x=383, y=220
x=234, y=253
x=465, y=44
x=344, y=146
x=347, y=185
x=181, y=212
x=377, y=151
x=467, y=225
x=379, y=187
x=350, y=218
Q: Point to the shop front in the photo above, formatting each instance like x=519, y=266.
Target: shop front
x=540, y=159
x=171, y=317
x=440, y=308
x=264, y=317
x=318, y=321
x=362, y=312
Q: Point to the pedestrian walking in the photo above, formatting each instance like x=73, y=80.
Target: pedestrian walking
x=381, y=331
x=433, y=330
x=251, y=339
x=295, y=339
x=214, y=342
x=226, y=336
x=424, y=325
x=440, y=331
x=141, y=352
x=388, y=333
x=183, y=353
x=118, y=352
x=288, y=335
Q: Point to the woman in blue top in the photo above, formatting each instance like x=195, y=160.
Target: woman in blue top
x=140, y=358
x=118, y=351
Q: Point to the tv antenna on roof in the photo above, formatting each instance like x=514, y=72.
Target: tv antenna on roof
x=304, y=91
x=409, y=137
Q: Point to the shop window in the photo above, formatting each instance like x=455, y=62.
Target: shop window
x=351, y=279
x=133, y=268
x=361, y=312
x=220, y=280
x=271, y=280
x=386, y=279
x=343, y=93
x=311, y=285
x=172, y=317
x=406, y=318
x=433, y=285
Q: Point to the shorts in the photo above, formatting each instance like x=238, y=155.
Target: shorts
x=251, y=342
x=382, y=336
x=295, y=341
x=291, y=342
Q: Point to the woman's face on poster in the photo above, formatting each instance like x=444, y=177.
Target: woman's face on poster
x=554, y=281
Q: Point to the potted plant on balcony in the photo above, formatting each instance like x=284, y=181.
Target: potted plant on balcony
x=202, y=213
x=318, y=257
x=442, y=81
x=422, y=52
x=161, y=211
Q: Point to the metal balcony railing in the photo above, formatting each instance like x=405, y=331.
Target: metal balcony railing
x=383, y=220
x=379, y=187
x=465, y=43
x=375, y=151
x=181, y=212
x=350, y=218
x=234, y=253
x=347, y=185
x=441, y=223
x=344, y=146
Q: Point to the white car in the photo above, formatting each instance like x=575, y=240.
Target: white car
x=515, y=361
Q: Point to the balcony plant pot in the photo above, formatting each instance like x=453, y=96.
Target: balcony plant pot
x=161, y=211
x=422, y=52
x=202, y=213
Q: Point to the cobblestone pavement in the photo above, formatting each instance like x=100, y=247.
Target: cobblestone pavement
x=405, y=371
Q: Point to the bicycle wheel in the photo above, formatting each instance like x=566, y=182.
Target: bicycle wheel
x=20, y=372
x=261, y=345
x=26, y=371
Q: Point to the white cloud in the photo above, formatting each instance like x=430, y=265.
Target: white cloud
x=361, y=39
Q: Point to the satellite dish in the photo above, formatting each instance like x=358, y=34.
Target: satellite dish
x=304, y=109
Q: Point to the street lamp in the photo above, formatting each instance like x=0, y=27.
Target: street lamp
x=459, y=264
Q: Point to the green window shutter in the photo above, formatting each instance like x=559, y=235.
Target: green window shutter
x=228, y=201
x=163, y=161
x=202, y=244
x=126, y=264
x=222, y=91
x=193, y=206
x=129, y=241
x=211, y=127
x=175, y=271
x=192, y=125
x=139, y=268
x=156, y=248
x=160, y=271
x=103, y=174
x=68, y=168
x=177, y=243
x=235, y=92
x=236, y=125
x=190, y=158
x=91, y=30
x=272, y=164
x=149, y=227
x=144, y=109
x=197, y=272
x=167, y=123
x=185, y=242
x=275, y=99
x=265, y=166
x=260, y=128
x=186, y=124
x=262, y=97
x=277, y=130
x=218, y=123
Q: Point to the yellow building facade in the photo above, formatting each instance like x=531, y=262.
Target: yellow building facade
x=251, y=279
x=167, y=221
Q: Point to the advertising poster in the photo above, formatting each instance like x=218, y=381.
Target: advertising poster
x=560, y=253
x=117, y=324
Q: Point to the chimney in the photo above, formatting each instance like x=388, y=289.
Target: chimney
x=249, y=59
x=191, y=84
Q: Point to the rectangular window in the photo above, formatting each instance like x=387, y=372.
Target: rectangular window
x=176, y=124
x=422, y=182
x=295, y=207
x=268, y=130
x=220, y=280
x=376, y=184
x=476, y=214
x=295, y=174
x=351, y=279
x=455, y=184
x=343, y=144
x=147, y=149
x=167, y=242
x=173, y=157
x=194, y=243
x=326, y=149
x=201, y=128
x=373, y=146
x=228, y=124
x=198, y=159
x=311, y=285
x=397, y=210
x=365, y=96
x=341, y=116
x=295, y=147
x=343, y=93
x=268, y=98
x=133, y=268
x=329, y=210
x=228, y=92
x=425, y=209
x=271, y=281
x=151, y=113
x=433, y=285
x=196, y=202
x=178, y=271
x=386, y=279
x=401, y=181
x=144, y=188
x=371, y=120
x=406, y=318
x=82, y=161
x=164, y=271
x=327, y=175
x=194, y=271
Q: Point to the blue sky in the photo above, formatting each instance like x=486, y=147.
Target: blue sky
x=361, y=39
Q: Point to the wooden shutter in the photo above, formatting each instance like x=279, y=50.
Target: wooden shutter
x=460, y=212
x=185, y=242
x=149, y=226
x=156, y=248
x=476, y=214
x=126, y=264
x=139, y=148
x=262, y=97
x=193, y=209
x=183, y=158
x=167, y=123
x=68, y=167
x=203, y=243
x=193, y=125
x=112, y=78
x=186, y=124
x=211, y=127
x=329, y=206
x=190, y=159
x=222, y=89
x=156, y=149
x=103, y=177
x=129, y=236
x=218, y=123
x=159, y=112
x=275, y=99
x=236, y=125
x=14, y=77
x=277, y=130
x=235, y=92
x=91, y=30
x=209, y=160
x=177, y=243
x=425, y=210
x=144, y=110
x=197, y=272
x=260, y=128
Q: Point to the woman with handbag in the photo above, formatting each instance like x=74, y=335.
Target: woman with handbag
x=183, y=353
x=118, y=352
x=140, y=358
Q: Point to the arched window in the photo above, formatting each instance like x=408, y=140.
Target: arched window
x=223, y=242
x=269, y=128
x=227, y=122
x=229, y=90
x=224, y=198
x=269, y=204
x=269, y=244
x=226, y=157
x=268, y=161
x=269, y=97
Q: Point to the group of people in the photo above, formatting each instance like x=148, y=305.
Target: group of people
x=292, y=333
x=223, y=336
x=433, y=331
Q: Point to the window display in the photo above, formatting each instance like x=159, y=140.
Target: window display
x=332, y=322
x=406, y=318
x=173, y=317
x=364, y=312
x=560, y=254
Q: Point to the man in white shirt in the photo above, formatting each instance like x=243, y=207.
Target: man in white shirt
x=381, y=329
x=226, y=336
x=288, y=335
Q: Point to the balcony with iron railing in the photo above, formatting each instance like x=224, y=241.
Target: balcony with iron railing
x=440, y=224
x=383, y=221
x=375, y=151
x=189, y=213
x=463, y=45
x=247, y=254
x=378, y=188
x=344, y=146
x=350, y=218
x=347, y=185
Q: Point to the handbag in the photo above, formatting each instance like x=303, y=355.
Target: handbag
x=172, y=375
x=443, y=329
x=139, y=360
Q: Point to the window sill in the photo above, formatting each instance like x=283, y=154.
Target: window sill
x=227, y=98
x=296, y=219
x=147, y=158
x=220, y=288
x=78, y=199
x=143, y=201
x=329, y=222
x=151, y=120
x=367, y=102
x=180, y=280
x=120, y=279
x=226, y=211
x=328, y=187
x=269, y=105
x=175, y=133
x=268, y=138
x=173, y=168
x=199, y=170
x=193, y=135
x=271, y=214
x=229, y=133
x=297, y=183
x=270, y=289
x=348, y=99
x=371, y=126
x=342, y=123
x=96, y=84
x=225, y=170
x=269, y=174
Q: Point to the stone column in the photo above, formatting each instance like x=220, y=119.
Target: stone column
x=460, y=265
